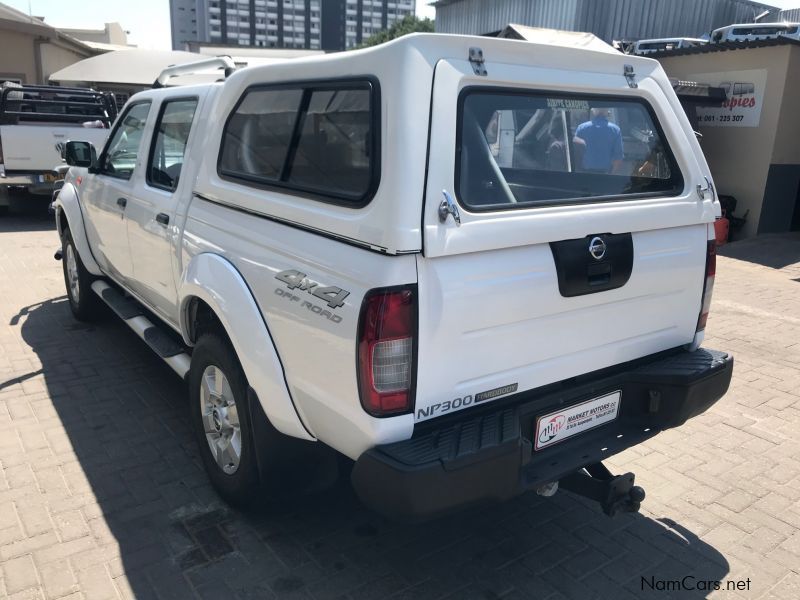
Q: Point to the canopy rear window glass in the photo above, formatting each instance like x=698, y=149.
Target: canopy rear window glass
x=521, y=149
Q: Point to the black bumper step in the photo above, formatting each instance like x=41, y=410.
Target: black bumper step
x=473, y=457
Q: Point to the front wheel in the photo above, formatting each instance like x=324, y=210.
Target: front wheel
x=83, y=301
x=218, y=405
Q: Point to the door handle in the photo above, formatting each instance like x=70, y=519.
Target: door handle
x=122, y=202
x=162, y=218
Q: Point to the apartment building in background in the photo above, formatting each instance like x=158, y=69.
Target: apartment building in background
x=328, y=25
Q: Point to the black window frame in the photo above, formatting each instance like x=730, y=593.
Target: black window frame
x=678, y=189
x=101, y=160
x=154, y=138
x=363, y=82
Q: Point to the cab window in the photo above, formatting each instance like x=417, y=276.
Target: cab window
x=169, y=143
x=122, y=150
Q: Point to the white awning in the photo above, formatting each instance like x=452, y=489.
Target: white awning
x=134, y=66
x=557, y=37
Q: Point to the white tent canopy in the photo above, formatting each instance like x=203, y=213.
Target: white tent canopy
x=556, y=37
x=134, y=66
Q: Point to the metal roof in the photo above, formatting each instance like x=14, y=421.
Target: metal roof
x=789, y=15
x=607, y=19
x=725, y=47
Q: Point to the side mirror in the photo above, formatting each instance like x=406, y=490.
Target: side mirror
x=80, y=154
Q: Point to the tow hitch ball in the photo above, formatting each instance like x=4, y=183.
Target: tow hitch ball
x=615, y=493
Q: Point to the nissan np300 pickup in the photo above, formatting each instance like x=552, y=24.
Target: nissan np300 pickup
x=473, y=266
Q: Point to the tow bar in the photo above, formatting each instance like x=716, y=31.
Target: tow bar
x=615, y=493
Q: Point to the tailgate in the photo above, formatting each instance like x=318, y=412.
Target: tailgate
x=583, y=233
x=37, y=147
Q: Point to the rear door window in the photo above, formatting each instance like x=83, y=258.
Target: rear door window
x=522, y=149
x=319, y=140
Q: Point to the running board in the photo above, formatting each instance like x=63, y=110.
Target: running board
x=163, y=344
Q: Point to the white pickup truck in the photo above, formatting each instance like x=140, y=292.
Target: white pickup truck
x=473, y=266
x=35, y=124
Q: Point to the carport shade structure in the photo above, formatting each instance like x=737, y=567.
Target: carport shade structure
x=133, y=67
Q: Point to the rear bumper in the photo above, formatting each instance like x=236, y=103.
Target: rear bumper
x=476, y=457
x=34, y=182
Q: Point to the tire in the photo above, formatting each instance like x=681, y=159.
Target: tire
x=4, y=201
x=234, y=476
x=83, y=301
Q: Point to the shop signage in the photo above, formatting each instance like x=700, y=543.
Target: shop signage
x=745, y=95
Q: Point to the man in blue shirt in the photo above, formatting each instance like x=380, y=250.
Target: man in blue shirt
x=602, y=143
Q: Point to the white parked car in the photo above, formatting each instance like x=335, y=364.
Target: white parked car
x=747, y=32
x=473, y=266
x=36, y=122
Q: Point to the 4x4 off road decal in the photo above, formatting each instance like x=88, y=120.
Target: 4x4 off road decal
x=333, y=296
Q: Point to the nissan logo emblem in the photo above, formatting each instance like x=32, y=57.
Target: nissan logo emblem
x=597, y=248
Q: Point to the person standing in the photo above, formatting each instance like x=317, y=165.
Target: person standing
x=602, y=143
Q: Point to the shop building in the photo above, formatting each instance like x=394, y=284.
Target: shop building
x=751, y=142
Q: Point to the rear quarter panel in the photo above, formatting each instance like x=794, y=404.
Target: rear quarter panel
x=316, y=344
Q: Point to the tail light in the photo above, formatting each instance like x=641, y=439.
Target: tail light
x=386, y=350
x=708, y=286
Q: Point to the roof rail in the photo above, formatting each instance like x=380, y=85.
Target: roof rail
x=223, y=62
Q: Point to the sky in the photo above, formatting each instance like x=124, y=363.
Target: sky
x=148, y=20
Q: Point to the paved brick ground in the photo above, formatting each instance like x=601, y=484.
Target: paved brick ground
x=102, y=496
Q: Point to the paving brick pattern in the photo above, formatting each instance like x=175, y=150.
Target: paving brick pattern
x=102, y=495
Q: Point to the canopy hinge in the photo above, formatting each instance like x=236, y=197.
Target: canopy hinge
x=477, y=62
x=630, y=75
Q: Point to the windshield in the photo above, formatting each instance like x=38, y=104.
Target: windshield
x=525, y=148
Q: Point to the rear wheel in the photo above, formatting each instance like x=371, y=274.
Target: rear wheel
x=83, y=301
x=4, y=201
x=218, y=403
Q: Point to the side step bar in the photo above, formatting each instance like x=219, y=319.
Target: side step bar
x=163, y=344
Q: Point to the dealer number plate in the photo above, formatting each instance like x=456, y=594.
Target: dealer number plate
x=563, y=424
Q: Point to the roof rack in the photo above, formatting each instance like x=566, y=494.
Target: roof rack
x=222, y=62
